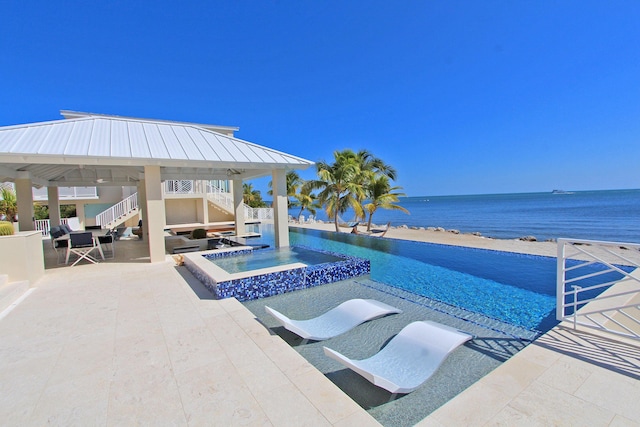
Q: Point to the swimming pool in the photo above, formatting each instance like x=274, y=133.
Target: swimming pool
x=518, y=289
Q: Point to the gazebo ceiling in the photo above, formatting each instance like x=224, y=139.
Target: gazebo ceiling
x=94, y=150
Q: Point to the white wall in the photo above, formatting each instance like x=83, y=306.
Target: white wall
x=182, y=210
x=21, y=256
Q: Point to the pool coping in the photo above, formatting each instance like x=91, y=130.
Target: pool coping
x=220, y=275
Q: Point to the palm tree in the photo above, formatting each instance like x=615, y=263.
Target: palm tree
x=252, y=197
x=370, y=168
x=370, y=163
x=381, y=195
x=306, y=200
x=339, y=185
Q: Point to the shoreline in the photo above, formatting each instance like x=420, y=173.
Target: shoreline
x=540, y=248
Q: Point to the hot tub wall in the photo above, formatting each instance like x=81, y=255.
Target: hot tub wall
x=275, y=283
x=266, y=285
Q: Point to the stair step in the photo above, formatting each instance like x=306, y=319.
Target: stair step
x=10, y=292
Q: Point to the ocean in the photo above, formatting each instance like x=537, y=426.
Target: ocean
x=612, y=215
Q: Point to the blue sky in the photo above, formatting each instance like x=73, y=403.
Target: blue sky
x=462, y=97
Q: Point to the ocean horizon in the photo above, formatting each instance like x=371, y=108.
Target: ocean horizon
x=611, y=215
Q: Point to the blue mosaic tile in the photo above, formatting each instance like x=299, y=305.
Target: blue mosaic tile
x=216, y=255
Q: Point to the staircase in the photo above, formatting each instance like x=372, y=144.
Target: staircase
x=218, y=199
x=223, y=201
x=118, y=213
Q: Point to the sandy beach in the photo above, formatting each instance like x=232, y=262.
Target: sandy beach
x=473, y=241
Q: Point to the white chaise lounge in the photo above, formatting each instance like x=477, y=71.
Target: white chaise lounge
x=336, y=321
x=409, y=359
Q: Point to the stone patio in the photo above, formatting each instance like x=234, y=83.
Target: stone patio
x=129, y=342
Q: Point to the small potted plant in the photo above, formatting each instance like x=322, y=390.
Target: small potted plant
x=6, y=228
x=199, y=233
x=8, y=206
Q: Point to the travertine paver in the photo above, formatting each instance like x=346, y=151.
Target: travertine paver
x=124, y=343
x=566, y=377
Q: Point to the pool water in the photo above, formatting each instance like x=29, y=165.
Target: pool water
x=518, y=289
x=499, y=285
x=265, y=258
x=514, y=288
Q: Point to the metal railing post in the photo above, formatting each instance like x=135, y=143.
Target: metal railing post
x=560, y=278
x=576, y=289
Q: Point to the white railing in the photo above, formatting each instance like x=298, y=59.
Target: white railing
x=224, y=199
x=66, y=193
x=44, y=225
x=182, y=186
x=262, y=214
x=118, y=210
x=179, y=186
x=219, y=197
x=617, y=308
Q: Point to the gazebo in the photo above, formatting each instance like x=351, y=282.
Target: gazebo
x=86, y=149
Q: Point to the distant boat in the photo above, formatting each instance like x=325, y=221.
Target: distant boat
x=561, y=192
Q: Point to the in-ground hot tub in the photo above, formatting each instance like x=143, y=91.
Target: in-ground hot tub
x=246, y=274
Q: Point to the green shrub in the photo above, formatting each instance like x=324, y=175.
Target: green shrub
x=6, y=228
x=199, y=233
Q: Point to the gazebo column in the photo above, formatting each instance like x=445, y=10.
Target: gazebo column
x=80, y=214
x=24, y=202
x=280, y=208
x=202, y=214
x=154, y=214
x=142, y=202
x=53, y=201
x=238, y=203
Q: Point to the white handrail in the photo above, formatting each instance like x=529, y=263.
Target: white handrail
x=221, y=198
x=617, y=309
x=225, y=200
x=179, y=186
x=116, y=211
x=67, y=193
x=262, y=214
x=44, y=225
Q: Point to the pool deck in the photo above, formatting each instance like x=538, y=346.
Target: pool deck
x=128, y=342
x=565, y=377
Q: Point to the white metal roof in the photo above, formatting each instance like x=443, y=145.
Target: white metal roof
x=96, y=148
x=226, y=130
